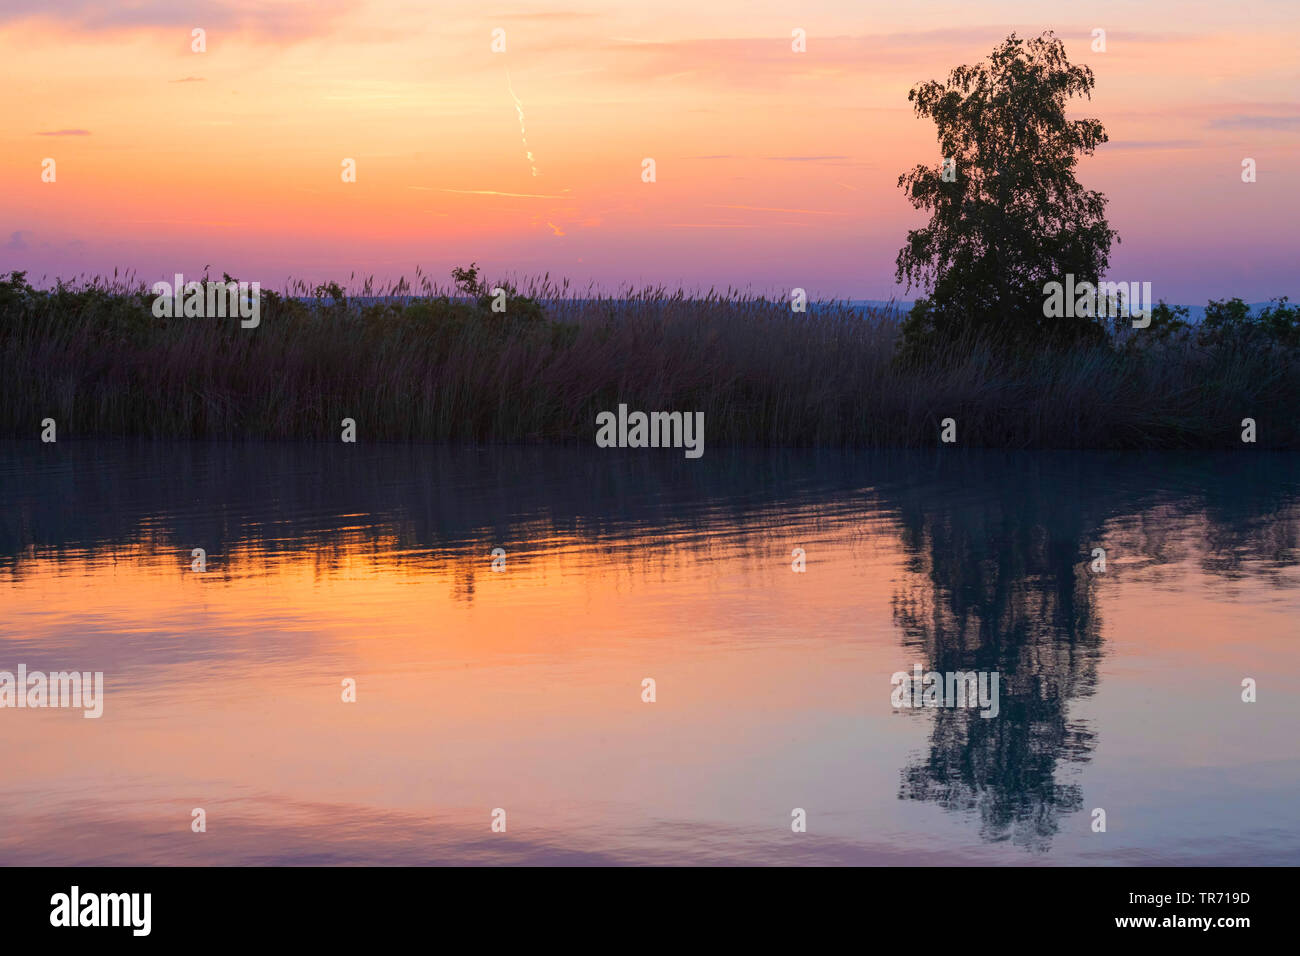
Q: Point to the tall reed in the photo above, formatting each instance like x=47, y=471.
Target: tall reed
x=414, y=361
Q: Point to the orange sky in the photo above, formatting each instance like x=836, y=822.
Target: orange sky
x=774, y=168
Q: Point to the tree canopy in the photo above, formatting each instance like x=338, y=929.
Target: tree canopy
x=1006, y=212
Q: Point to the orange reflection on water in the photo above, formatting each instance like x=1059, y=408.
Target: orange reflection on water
x=522, y=689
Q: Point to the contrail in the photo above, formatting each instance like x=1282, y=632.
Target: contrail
x=523, y=134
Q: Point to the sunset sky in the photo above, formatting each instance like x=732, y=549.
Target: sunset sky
x=774, y=168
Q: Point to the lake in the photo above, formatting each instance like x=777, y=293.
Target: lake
x=517, y=682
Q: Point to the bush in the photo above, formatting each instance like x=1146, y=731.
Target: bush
x=1229, y=323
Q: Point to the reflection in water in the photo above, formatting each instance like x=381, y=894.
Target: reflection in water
x=999, y=583
x=521, y=689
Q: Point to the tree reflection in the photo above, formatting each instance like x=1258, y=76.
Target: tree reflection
x=999, y=580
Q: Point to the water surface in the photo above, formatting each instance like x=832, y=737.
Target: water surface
x=521, y=689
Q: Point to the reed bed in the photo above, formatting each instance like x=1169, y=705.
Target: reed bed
x=414, y=361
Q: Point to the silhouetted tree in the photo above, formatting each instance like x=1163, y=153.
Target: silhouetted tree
x=1006, y=213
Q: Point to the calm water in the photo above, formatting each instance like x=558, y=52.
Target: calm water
x=522, y=689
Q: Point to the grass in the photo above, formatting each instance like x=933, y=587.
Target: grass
x=433, y=364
